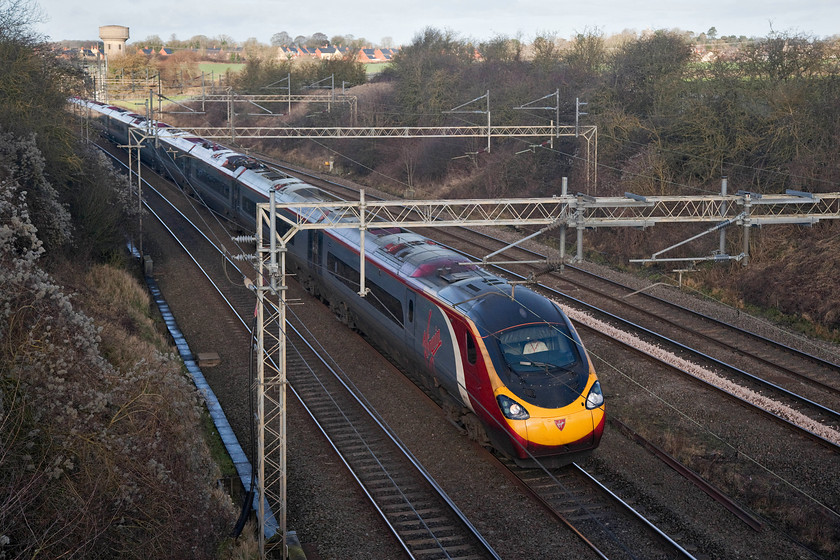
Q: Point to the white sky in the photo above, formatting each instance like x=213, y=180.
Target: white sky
x=402, y=20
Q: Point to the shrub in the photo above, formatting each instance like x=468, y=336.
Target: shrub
x=98, y=458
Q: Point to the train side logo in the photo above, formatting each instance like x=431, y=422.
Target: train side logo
x=431, y=344
x=560, y=423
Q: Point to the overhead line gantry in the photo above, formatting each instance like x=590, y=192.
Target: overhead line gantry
x=580, y=211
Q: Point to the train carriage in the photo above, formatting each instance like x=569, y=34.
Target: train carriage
x=506, y=361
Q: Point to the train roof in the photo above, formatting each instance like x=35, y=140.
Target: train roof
x=230, y=162
x=420, y=261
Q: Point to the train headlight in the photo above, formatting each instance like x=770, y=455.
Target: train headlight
x=595, y=398
x=512, y=409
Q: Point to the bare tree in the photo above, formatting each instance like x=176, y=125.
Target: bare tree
x=783, y=57
x=588, y=52
x=225, y=41
x=198, y=41
x=317, y=40
x=410, y=157
x=501, y=49
x=153, y=42
x=17, y=17
x=281, y=39
x=545, y=52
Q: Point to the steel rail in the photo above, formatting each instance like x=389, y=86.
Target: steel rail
x=353, y=392
x=635, y=513
x=716, y=494
x=732, y=369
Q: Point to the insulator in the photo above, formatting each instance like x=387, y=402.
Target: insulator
x=245, y=239
x=554, y=263
x=554, y=225
x=244, y=257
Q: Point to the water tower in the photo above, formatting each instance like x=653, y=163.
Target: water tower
x=114, y=37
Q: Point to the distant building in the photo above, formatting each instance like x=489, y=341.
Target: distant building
x=375, y=54
x=335, y=52
x=114, y=38
x=327, y=52
x=367, y=55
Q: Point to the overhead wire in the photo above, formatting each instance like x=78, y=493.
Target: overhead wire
x=696, y=422
x=218, y=242
x=606, y=362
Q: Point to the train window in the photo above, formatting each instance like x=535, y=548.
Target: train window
x=472, y=354
x=345, y=273
x=212, y=180
x=249, y=207
x=385, y=303
x=379, y=298
x=533, y=347
x=411, y=311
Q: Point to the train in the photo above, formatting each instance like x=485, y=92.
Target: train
x=505, y=362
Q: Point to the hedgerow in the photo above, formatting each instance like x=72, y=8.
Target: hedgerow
x=99, y=458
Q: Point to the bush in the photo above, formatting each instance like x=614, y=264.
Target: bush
x=98, y=458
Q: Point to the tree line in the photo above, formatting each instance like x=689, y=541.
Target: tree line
x=280, y=39
x=101, y=447
x=675, y=113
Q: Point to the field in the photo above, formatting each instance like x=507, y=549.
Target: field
x=220, y=68
x=374, y=68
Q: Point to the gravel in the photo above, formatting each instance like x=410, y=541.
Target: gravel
x=331, y=515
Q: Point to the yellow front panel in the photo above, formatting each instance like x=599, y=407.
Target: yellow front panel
x=575, y=426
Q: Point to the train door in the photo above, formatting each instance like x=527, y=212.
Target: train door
x=183, y=172
x=409, y=318
x=234, y=200
x=316, y=245
x=472, y=376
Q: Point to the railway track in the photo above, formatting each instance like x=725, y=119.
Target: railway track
x=417, y=511
x=426, y=522
x=611, y=527
x=805, y=382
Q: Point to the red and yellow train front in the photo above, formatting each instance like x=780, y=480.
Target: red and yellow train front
x=545, y=432
x=548, y=397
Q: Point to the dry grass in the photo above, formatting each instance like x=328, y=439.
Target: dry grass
x=99, y=418
x=245, y=547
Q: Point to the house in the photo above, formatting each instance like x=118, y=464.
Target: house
x=328, y=52
x=368, y=55
x=375, y=55
x=214, y=53
x=287, y=53
x=388, y=53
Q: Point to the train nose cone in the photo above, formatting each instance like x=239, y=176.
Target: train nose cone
x=547, y=436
